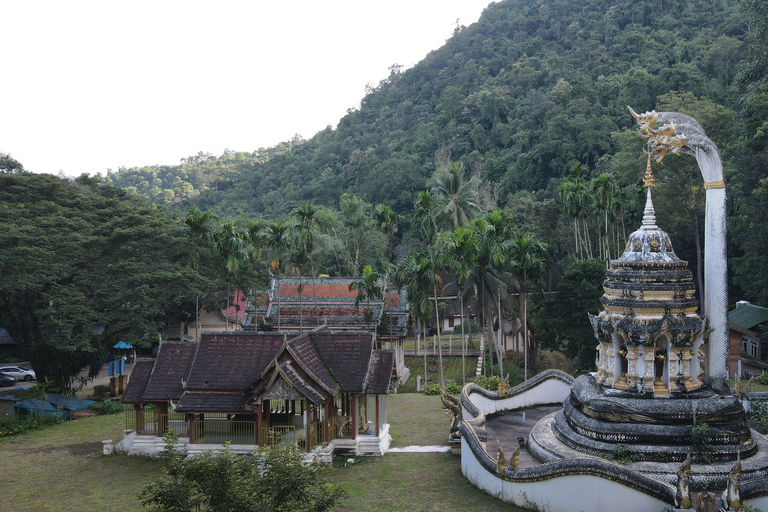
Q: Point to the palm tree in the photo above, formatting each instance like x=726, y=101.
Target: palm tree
x=201, y=227
x=459, y=253
x=233, y=253
x=306, y=215
x=367, y=288
x=461, y=198
x=422, y=284
x=277, y=242
x=299, y=259
x=605, y=193
x=528, y=258
x=486, y=279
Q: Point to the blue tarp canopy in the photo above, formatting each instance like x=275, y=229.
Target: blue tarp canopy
x=122, y=344
x=60, y=405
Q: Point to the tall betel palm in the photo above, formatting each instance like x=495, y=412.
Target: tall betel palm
x=459, y=253
x=460, y=197
x=277, y=242
x=306, y=215
x=528, y=262
x=419, y=272
x=233, y=253
x=486, y=279
x=367, y=288
x=201, y=227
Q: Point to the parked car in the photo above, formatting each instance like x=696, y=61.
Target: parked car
x=19, y=372
x=7, y=380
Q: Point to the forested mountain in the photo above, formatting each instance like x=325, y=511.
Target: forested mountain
x=519, y=97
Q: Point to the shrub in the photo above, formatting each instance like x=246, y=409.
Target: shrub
x=108, y=407
x=489, y=383
x=100, y=390
x=432, y=389
x=762, y=379
x=270, y=480
x=453, y=388
x=759, y=413
x=11, y=425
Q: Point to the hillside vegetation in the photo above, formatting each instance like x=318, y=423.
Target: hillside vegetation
x=519, y=98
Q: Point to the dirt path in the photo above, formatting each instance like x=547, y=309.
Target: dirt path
x=557, y=360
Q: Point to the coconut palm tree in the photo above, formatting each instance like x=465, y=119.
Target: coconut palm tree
x=460, y=197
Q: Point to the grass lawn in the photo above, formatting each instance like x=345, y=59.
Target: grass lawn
x=61, y=468
x=451, y=370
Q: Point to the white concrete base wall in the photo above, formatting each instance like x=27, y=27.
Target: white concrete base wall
x=577, y=493
x=135, y=445
x=550, y=391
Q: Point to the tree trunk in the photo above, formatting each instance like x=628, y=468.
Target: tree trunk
x=439, y=345
x=463, y=340
x=314, y=292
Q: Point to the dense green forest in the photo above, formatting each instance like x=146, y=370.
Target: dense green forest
x=506, y=158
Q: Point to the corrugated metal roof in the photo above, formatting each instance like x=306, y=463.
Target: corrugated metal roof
x=748, y=316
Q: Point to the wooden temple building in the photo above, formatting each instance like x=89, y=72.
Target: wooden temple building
x=318, y=389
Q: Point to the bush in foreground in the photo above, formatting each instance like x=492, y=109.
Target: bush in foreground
x=273, y=479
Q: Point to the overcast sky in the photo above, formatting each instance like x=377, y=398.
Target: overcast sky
x=94, y=85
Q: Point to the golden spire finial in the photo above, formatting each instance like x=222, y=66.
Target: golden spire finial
x=648, y=180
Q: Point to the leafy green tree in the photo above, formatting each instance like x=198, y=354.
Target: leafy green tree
x=273, y=479
x=75, y=255
x=560, y=319
x=9, y=165
x=232, y=247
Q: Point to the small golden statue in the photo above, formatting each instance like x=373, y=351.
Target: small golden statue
x=683, y=497
x=501, y=461
x=751, y=384
x=732, y=493
x=503, y=385
x=514, y=461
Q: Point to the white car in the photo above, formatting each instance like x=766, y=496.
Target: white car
x=19, y=372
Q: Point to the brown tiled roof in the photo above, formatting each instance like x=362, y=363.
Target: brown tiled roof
x=174, y=359
x=138, y=380
x=346, y=355
x=232, y=360
x=206, y=401
x=306, y=355
x=381, y=371
x=307, y=387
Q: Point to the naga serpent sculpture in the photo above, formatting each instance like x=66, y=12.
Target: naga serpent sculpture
x=680, y=133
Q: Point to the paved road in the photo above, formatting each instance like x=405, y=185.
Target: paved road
x=101, y=379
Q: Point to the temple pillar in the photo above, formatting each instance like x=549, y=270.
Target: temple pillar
x=354, y=417
x=378, y=417
x=610, y=373
x=137, y=409
x=632, y=357
x=649, y=358
x=308, y=426
x=258, y=414
x=674, y=361
x=191, y=427
x=162, y=418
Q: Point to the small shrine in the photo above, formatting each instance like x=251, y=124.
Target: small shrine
x=652, y=340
